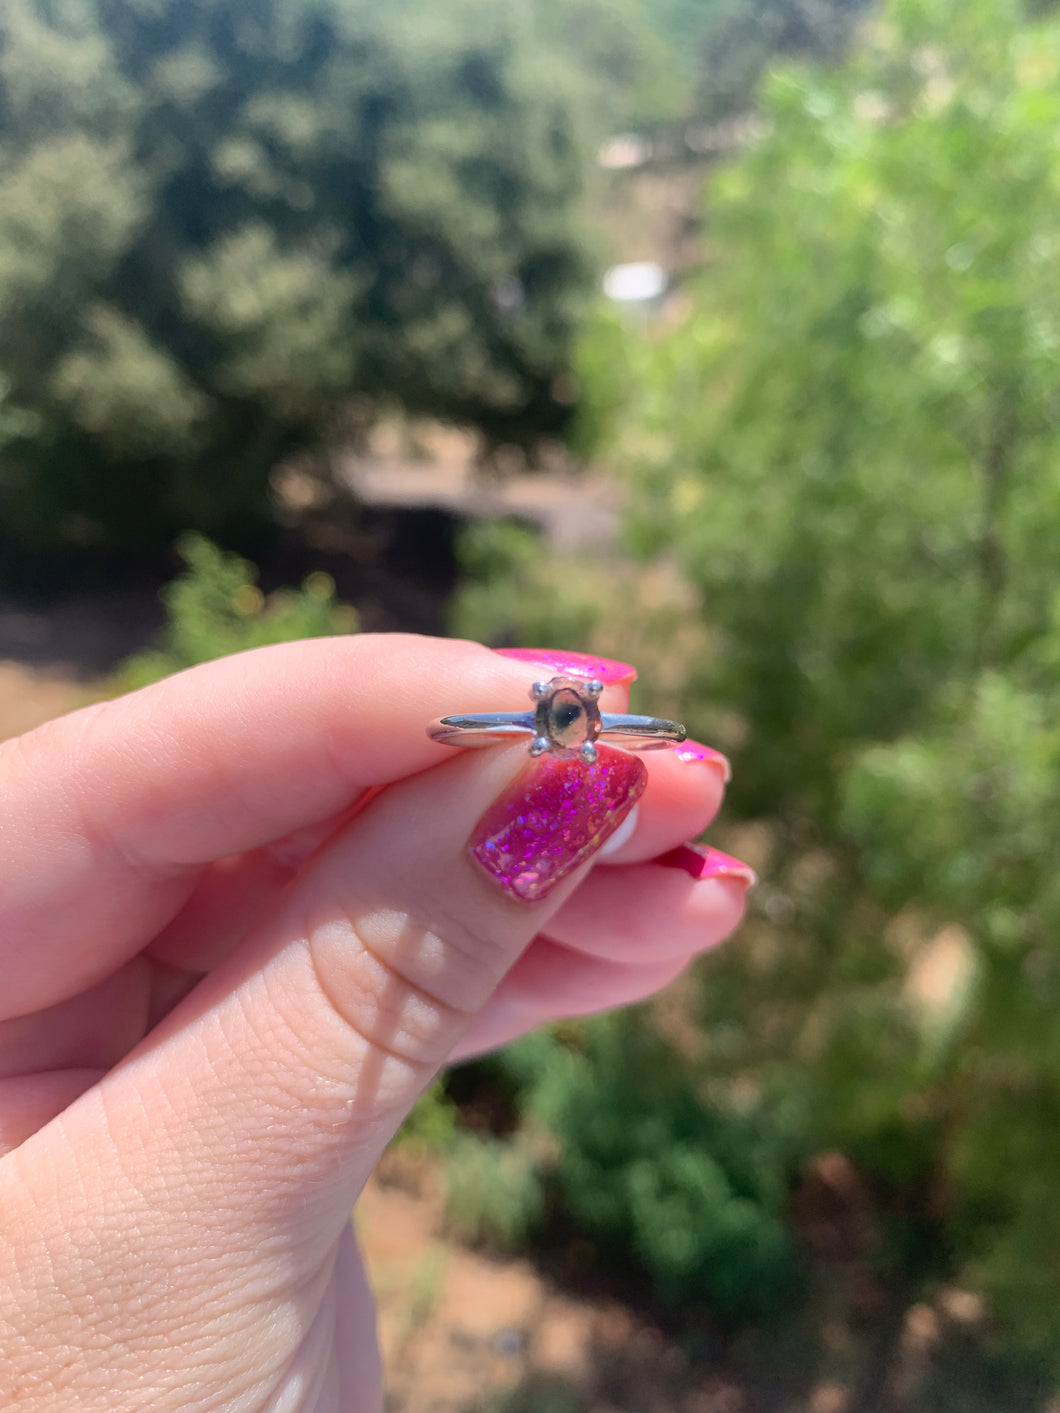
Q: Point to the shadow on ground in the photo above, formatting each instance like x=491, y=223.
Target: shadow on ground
x=959, y=1378
x=83, y=617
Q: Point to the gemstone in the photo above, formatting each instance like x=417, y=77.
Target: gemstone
x=567, y=717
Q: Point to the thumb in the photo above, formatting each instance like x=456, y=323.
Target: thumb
x=228, y=1149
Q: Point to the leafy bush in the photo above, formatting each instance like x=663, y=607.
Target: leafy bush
x=500, y=598
x=540, y=1394
x=215, y=607
x=852, y=443
x=219, y=231
x=493, y=1191
x=738, y=39
x=432, y=1122
x=660, y=1180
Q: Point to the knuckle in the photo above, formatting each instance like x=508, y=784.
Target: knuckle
x=406, y=985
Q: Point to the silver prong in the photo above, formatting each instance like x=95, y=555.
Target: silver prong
x=587, y=751
x=539, y=745
x=593, y=688
x=540, y=689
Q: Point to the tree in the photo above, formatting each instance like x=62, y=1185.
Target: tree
x=713, y=51
x=625, y=61
x=853, y=444
x=220, y=224
x=740, y=38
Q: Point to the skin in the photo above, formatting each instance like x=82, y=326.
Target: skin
x=230, y=965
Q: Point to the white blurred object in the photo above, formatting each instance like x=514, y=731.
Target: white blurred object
x=626, y=151
x=639, y=283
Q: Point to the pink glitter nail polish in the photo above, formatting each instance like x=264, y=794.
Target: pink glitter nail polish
x=553, y=817
x=703, y=862
x=580, y=665
x=694, y=751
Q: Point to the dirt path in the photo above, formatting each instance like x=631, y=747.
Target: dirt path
x=462, y=1332
x=30, y=696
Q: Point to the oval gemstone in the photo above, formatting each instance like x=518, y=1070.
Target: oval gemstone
x=570, y=719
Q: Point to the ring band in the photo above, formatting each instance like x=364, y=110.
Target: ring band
x=565, y=720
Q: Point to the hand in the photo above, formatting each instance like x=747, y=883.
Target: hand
x=229, y=963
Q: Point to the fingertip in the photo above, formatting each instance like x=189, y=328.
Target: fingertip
x=702, y=862
x=680, y=802
x=585, y=666
x=695, y=753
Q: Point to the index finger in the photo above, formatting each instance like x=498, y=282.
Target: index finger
x=110, y=813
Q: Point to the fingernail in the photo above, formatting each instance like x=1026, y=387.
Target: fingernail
x=694, y=751
x=705, y=862
x=574, y=664
x=622, y=835
x=554, y=816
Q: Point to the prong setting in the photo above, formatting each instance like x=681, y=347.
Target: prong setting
x=566, y=717
x=566, y=721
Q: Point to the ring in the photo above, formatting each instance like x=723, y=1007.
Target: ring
x=566, y=720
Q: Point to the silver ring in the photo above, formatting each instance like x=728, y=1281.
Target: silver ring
x=566, y=720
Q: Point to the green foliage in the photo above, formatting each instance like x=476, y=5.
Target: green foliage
x=855, y=433
x=623, y=60
x=500, y=596
x=218, y=227
x=493, y=1190
x=607, y=361
x=215, y=607
x=432, y=1122
x=15, y=425
x=657, y=1178
x=513, y=589
x=740, y=38
x=852, y=443
x=713, y=52
x=635, y=1160
x=540, y=1394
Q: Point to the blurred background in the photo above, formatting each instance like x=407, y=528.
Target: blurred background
x=721, y=336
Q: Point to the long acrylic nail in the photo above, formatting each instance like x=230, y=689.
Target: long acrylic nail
x=704, y=862
x=581, y=665
x=695, y=751
x=553, y=817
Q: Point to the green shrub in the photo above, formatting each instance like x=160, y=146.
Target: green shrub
x=502, y=594
x=215, y=607
x=432, y=1122
x=851, y=443
x=493, y=1190
x=659, y=1179
x=540, y=1394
